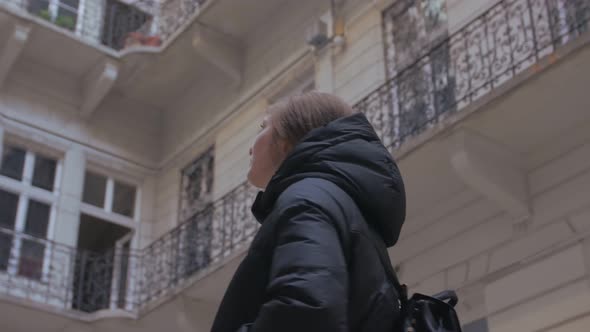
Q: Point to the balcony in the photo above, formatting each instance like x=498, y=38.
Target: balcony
x=122, y=281
x=509, y=39
x=475, y=114
x=121, y=45
x=116, y=24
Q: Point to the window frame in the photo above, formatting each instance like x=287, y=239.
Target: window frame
x=26, y=192
x=53, y=8
x=106, y=211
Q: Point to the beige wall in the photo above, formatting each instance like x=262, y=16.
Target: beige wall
x=527, y=279
x=359, y=68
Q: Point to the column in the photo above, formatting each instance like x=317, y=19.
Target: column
x=63, y=254
x=68, y=209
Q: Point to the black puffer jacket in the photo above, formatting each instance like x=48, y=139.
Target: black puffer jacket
x=313, y=266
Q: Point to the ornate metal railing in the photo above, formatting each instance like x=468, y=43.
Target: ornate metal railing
x=209, y=236
x=506, y=40
x=65, y=277
x=121, y=278
x=117, y=24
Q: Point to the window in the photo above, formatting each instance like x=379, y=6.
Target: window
x=13, y=162
x=124, y=199
x=44, y=173
x=109, y=194
x=95, y=187
x=8, y=208
x=197, y=184
x=412, y=28
x=196, y=198
x=25, y=210
x=120, y=21
x=107, y=222
x=32, y=251
x=13, y=166
x=64, y=13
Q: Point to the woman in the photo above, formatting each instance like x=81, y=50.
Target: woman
x=329, y=186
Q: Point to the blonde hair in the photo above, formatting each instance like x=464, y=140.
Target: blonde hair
x=296, y=116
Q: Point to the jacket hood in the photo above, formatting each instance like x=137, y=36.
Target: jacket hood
x=348, y=153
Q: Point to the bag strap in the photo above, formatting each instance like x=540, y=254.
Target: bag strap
x=389, y=271
x=402, y=290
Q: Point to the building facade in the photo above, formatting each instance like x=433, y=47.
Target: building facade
x=125, y=127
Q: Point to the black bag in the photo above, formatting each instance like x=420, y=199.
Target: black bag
x=420, y=313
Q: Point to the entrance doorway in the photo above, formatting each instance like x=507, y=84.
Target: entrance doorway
x=101, y=263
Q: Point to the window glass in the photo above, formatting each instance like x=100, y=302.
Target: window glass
x=13, y=162
x=95, y=187
x=44, y=172
x=37, y=219
x=124, y=199
x=8, y=207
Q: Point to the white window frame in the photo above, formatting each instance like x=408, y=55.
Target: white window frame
x=26, y=192
x=105, y=213
x=54, y=7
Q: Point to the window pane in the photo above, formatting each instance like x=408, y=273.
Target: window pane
x=95, y=187
x=44, y=173
x=124, y=199
x=8, y=206
x=5, y=245
x=37, y=219
x=67, y=14
x=39, y=7
x=13, y=162
x=30, y=263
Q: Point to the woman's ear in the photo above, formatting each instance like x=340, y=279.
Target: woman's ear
x=285, y=147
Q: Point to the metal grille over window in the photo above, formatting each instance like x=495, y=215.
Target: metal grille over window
x=197, y=184
x=121, y=22
x=196, y=213
x=412, y=27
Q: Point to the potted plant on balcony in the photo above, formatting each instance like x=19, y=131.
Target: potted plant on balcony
x=44, y=14
x=142, y=36
x=66, y=22
x=140, y=39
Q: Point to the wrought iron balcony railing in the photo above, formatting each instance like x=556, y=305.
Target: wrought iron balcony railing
x=121, y=278
x=117, y=24
x=507, y=39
